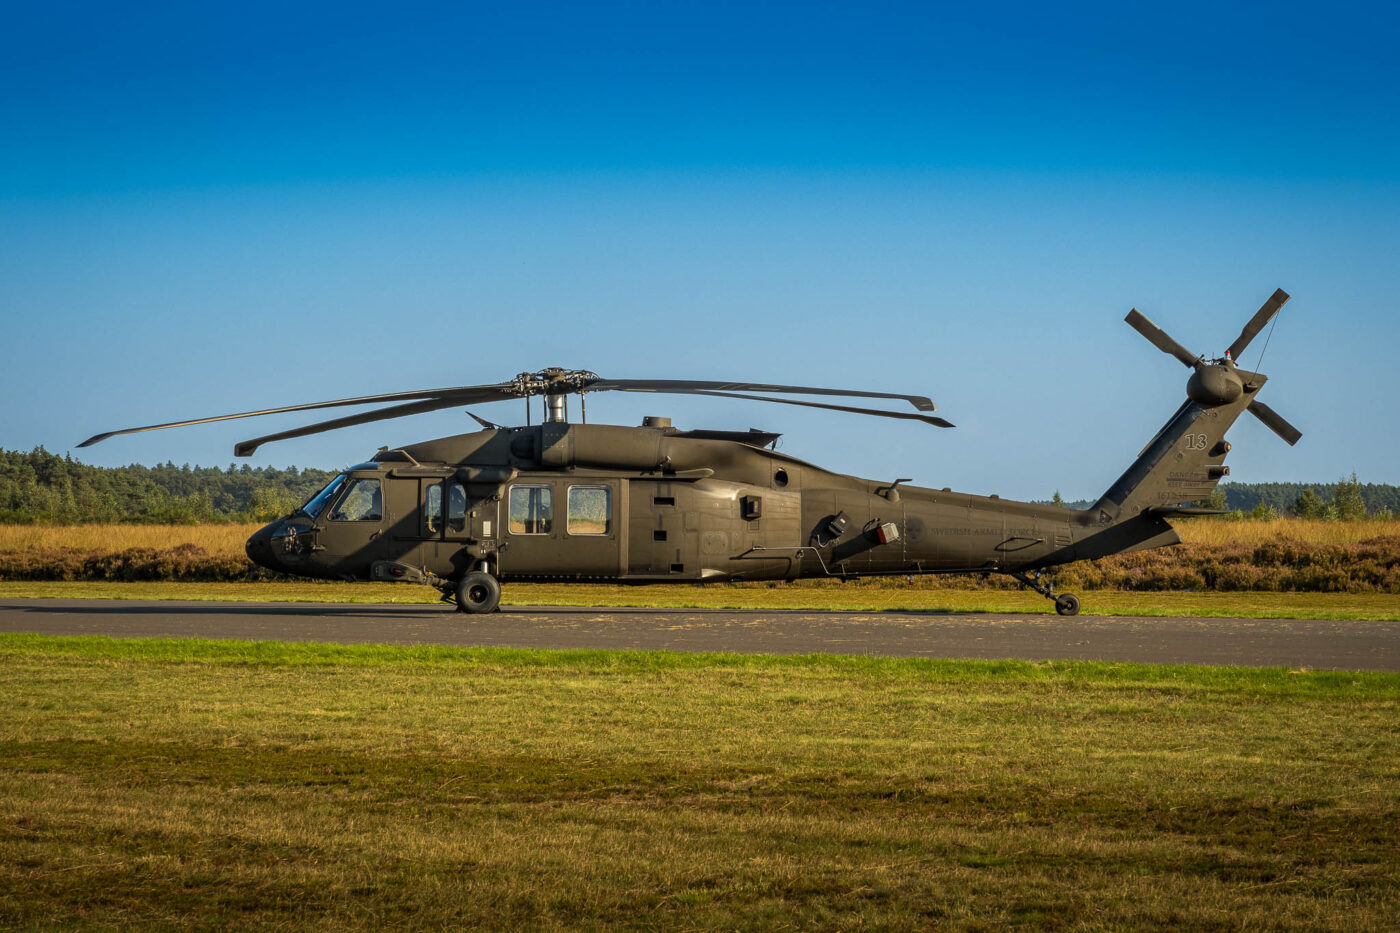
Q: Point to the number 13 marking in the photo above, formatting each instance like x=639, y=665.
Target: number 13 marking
x=1196, y=442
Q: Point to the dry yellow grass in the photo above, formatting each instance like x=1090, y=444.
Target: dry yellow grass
x=107, y=539
x=1303, y=530
x=220, y=539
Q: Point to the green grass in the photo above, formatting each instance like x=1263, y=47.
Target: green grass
x=851, y=596
x=195, y=784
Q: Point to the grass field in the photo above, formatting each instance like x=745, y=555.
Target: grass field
x=185, y=784
x=854, y=596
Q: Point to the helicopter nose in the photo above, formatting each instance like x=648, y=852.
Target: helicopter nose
x=259, y=547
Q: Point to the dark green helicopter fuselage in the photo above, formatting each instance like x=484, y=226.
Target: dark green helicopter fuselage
x=651, y=504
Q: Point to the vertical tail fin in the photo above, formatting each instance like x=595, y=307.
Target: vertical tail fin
x=1185, y=460
x=1182, y=463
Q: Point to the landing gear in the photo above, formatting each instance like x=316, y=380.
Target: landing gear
x=478, y=591
x=1066, y=604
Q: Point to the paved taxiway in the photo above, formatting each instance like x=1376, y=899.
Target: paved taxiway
x=1256, y=642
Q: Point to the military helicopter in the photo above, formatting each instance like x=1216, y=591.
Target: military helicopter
x=559, y=501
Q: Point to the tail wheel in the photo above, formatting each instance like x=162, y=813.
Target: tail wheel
x=1067, y=604
x=478, y=592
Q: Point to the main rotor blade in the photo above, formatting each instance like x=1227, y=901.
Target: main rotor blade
x=467, y=395
x=686, y=386
x=1275, y=422
x=902, y=415
x=1256, y=323
x=246, y=448
x=1159, y=338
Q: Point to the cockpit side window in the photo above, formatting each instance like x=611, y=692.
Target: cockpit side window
x=317, y=503
x=362, y=502
x=432, y=509
x=456, y=508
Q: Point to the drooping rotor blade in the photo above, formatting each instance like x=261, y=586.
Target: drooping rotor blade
x=466, y=395
x=1256, y=323
x=1275, y=422
x=686, y=386
x=246, y=448
x=902, y=415
x=545, y=382
x=1159, y=338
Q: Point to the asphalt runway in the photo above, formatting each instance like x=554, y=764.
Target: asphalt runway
x=1303, y=643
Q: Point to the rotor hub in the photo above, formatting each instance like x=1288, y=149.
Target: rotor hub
x=552, y=381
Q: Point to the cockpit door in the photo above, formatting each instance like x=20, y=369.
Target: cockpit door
x=352, y=530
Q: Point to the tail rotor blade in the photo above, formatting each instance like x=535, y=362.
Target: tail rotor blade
x=1159, y=338
x=1275, y=422
x=1256, y=323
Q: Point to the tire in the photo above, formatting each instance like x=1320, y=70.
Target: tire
x=1067, y=605
x=478, y=592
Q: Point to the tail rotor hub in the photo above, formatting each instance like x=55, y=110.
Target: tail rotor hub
x=1218, y=382
x=1215, y=384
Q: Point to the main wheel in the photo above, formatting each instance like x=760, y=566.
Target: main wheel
x=478, y=592
x=1067, y=604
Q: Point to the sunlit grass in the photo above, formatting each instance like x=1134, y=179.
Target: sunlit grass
x=1303, y=530
x=195, y=784
x=837, y=597
x=105, y=539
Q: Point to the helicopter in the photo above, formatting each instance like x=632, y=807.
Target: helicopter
x=562, y=501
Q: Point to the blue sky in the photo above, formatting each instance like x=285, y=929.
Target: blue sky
x=208, y=209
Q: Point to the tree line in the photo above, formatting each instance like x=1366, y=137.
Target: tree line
x=1347, y=498
x=40, y=487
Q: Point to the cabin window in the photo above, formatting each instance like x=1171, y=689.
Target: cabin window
x=590, y=510
x=362, y=502
x=432, y=509
x=456, y=507
x=531, y=510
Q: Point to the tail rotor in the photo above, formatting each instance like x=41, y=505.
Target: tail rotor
x=1219, y=381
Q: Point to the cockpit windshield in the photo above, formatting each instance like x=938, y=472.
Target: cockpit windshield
x=317, y=503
